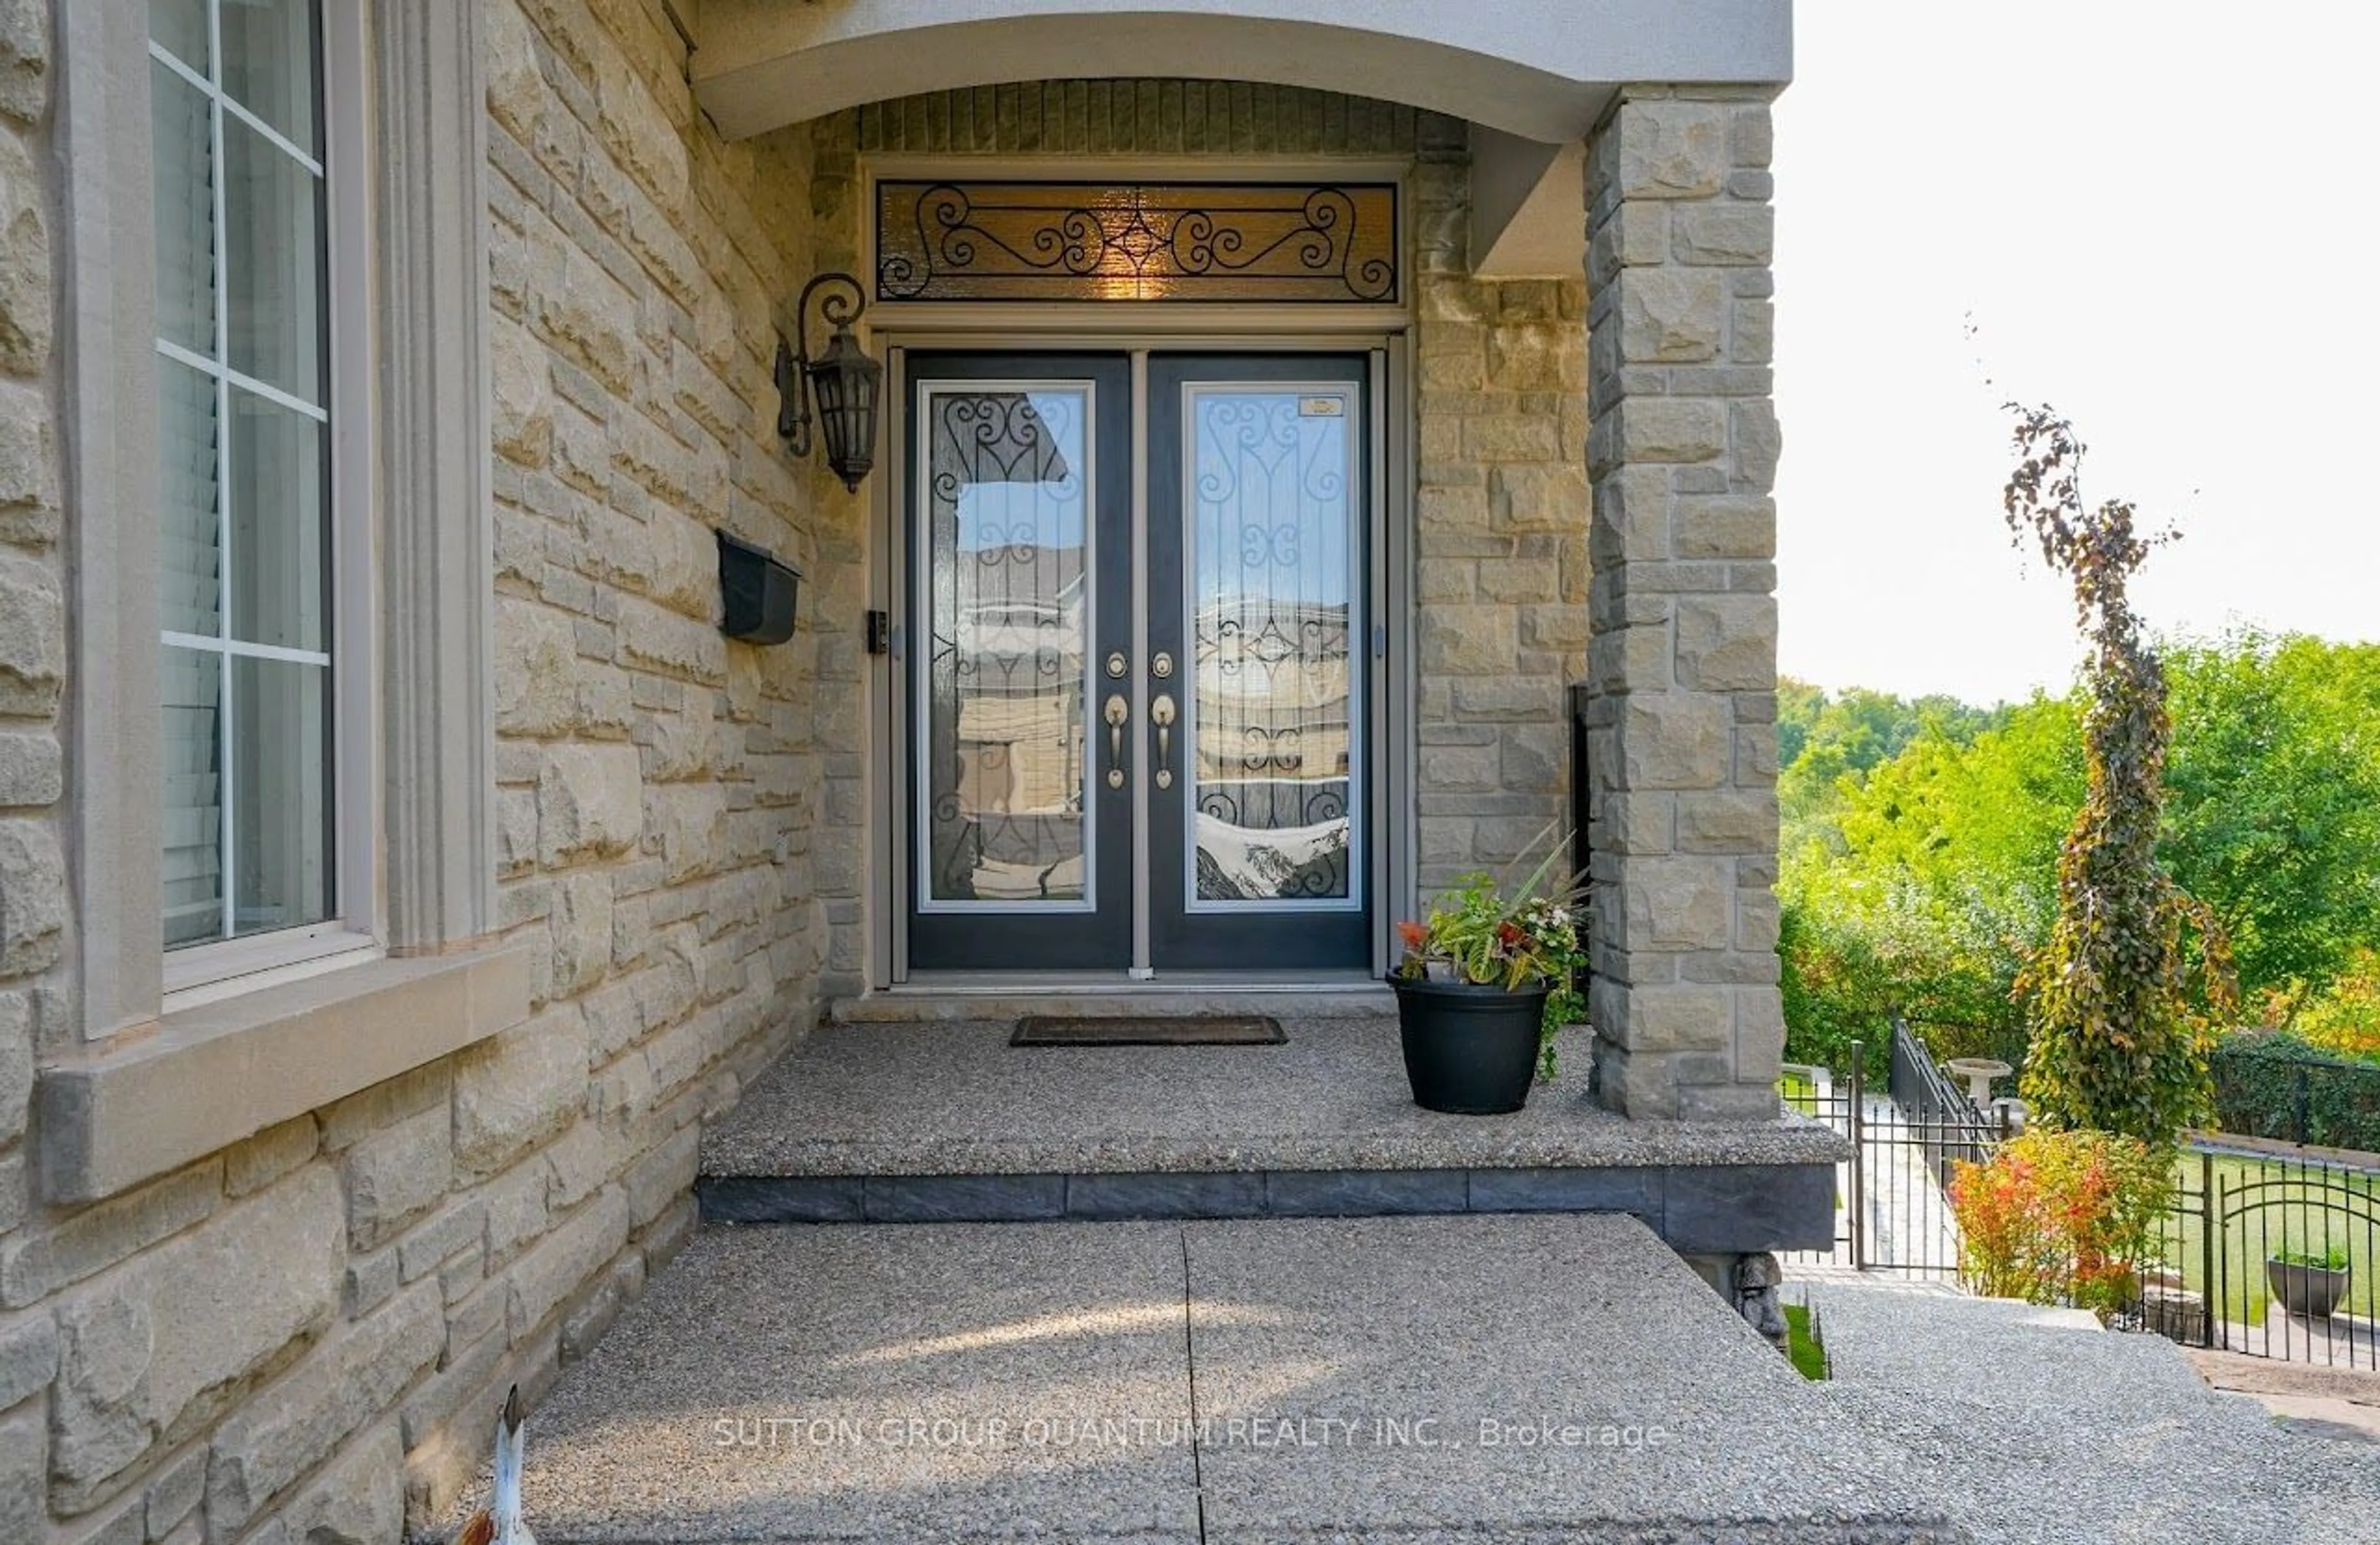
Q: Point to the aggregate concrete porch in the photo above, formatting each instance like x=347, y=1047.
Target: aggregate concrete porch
x=942, y=1120
x=1422, y=1379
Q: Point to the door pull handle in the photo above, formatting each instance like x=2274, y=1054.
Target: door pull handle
x=1117, y=712
x=1160, y=713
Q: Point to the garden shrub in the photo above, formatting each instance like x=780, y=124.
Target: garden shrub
x=1853, y=961
x=2062, y=1217
x=2276, y=1084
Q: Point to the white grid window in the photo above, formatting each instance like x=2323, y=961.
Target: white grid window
x=246, y=536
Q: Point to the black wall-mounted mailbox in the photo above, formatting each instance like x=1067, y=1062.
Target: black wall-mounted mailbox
x=758, y=592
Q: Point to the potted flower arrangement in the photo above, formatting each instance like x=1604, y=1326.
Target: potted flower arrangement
x=1486, y=979
x=2307, y=1283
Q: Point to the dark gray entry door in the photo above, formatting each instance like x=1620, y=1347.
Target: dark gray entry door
x=1259, y=581
x=1137, y=716
x=1021, y=561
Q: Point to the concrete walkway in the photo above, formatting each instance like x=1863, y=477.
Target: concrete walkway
x=1477, y=1377
x=2335, y=1402
x=2034, y=1426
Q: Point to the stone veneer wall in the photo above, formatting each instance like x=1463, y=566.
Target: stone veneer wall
x=1682, y=668
x=302, y=1338
x=1500, y=393
x=34, y=893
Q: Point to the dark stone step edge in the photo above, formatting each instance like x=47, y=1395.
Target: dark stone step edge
x=1715, y=1208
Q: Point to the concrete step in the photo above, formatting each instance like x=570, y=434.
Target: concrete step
x=1479, y=1379
x=1988, y=1400
x=946, y=1122
x=2053, y=1359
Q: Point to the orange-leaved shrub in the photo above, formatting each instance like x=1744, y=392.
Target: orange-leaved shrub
x=2061, y=1217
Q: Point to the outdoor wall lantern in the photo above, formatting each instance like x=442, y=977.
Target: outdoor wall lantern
x=843, y=380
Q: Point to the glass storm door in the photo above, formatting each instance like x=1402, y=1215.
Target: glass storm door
x=1137, y=715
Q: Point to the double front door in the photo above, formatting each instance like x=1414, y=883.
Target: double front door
x=1140, y=645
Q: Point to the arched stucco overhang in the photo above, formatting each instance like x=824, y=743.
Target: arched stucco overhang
x=1538, y=70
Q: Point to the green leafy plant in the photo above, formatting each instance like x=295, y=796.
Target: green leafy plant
x=2120, y=1002
x=2062, y=1217
x=1920, y=846
x=2276, y=1084
x=1805, y=1344
x=1509, y=934
x=2344, y=1019
x=2331, y=1259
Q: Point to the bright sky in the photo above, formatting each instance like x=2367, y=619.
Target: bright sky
x=2150, y=210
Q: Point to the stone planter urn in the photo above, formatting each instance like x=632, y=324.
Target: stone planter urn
x=1470, y=1050
x=2308, y=1291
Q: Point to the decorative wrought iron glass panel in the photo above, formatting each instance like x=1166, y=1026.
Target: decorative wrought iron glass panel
x=1275, y=575
x=1008, y=538
x=1141, y=241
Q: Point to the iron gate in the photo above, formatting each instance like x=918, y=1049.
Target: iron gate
x=1893, y=1213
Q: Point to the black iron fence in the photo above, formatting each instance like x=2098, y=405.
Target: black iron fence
x=1952, y=1127
x=2264, y=1248
x=2269, y=1252
x=1894, y=1211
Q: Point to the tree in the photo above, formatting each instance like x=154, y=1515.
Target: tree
x=2273, y=800
x=1921, y=883
x=1828, y=741
x=2118, y=1044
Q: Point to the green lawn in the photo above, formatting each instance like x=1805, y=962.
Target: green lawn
x=1799, y=1093
x=2297, y=1222
x=1809, y=1358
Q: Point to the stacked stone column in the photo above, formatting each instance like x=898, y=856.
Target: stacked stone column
x=1681, y=453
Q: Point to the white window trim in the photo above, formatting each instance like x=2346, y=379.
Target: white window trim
x=206, y=972
x=405, y=151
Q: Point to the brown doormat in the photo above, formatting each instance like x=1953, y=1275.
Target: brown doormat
x=1197, y=1029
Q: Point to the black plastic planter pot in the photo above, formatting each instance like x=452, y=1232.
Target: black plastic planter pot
x=1469, y=1051
x=2310, y=1292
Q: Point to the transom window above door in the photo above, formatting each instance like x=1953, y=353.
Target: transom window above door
x=978, y=239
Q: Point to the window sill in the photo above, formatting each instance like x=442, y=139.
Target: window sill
x=206, y=973
x=218, y=1072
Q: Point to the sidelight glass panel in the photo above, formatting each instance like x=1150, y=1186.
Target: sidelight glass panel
x=1275, y=582
x=280, y=525
x=179, y=27
x=1005, y=700
x=193, y=683
x=244, y=443
x=190, y=517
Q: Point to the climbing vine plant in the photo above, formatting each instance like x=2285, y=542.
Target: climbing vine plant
x=2124, y=994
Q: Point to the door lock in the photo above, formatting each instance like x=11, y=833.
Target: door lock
x=1163, y=666
x=1116, y=667
x=1160, y=713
